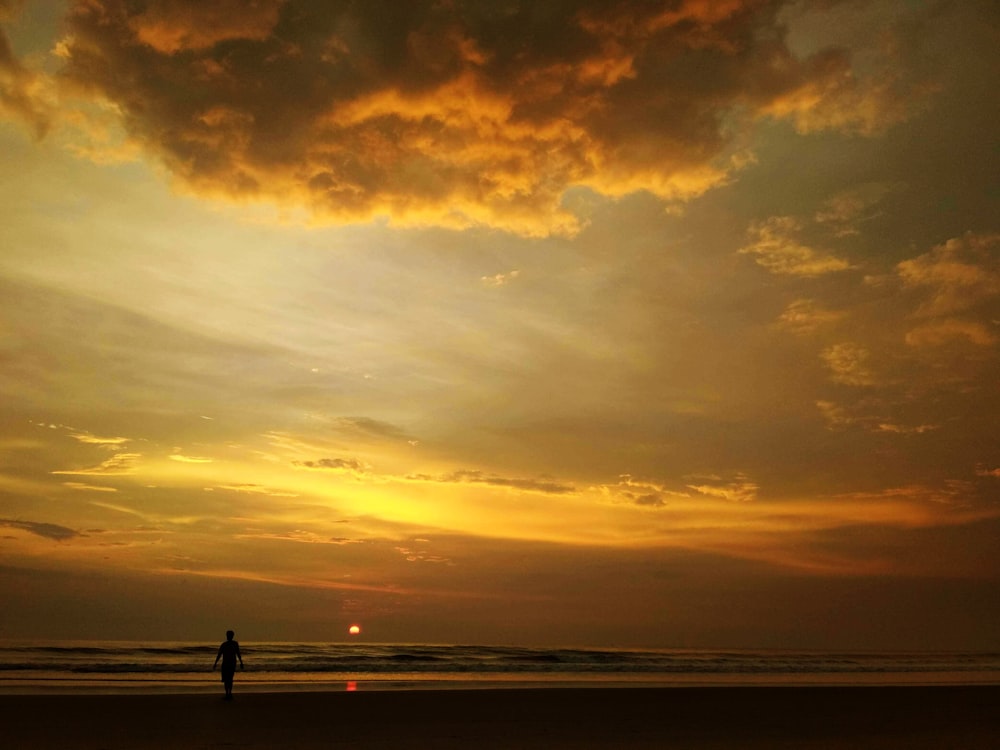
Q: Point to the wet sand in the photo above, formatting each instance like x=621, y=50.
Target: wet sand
x=707, y=717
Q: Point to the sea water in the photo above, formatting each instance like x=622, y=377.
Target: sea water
x=113, y=666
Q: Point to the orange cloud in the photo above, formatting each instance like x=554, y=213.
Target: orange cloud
x=104, y=442
x=88, y=487
x=804, y=316
x=173, y=26
x=774, y=246
x=825, y=92
x=738, y=489
x=181, y=458
x=864, y=415
x=960, y=277
x=431, y=113
x=248, y=488
x=948, y=330
x=850, y=364
x=500, y=279
x=958, y=274
x=120, y=464
x=20, y=88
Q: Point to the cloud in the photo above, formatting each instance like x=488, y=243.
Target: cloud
x=864, y=415
x=252, y=489
x=478, y=477
x=774, y=246
x=738, y=489
x=804, y=316
x=120, y=509
x=897, y=429
x=88, y=487
x=302, y=536
x=957, y=274
x=456, y=114
x=945, y=331
x=641, y=493
x=958, y=282
x=850, y=364
x=500, y=279
x=414, y=555
x=333, y=464
x=861, y=70
x=368, y=427
x=106, y=442
x=190, y=459
x=846, y=210
x=172, y=26
x=48, y=530
x=21, y=90
x=836, y=417
x=949, y=492
x=120, y=464
x=826, y=94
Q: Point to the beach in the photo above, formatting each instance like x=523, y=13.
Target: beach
x=912, y=716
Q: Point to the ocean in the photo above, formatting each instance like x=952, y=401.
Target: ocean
x=118, y=667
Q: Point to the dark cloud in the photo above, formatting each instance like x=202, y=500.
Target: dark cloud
x=172, y=26
x=47, y=530
x=19, y=86
x=332, y=464
x=457, y=113
x=478, y=477
x=653, y=500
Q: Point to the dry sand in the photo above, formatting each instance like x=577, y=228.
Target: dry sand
x=718, y=717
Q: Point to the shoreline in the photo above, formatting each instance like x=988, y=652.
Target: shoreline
x=909, y=716
x=249, y=682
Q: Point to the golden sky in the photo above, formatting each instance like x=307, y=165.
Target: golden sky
x=592, y=322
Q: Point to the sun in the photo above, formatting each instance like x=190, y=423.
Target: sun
x=354, y=629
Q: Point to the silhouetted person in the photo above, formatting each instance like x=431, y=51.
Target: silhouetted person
x=229, y=652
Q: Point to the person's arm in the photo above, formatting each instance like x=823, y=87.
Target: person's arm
x=217, y=657
x=239, y=655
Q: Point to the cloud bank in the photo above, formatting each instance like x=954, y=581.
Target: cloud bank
x=456, y=114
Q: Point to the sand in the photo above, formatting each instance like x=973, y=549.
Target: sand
x=717, y=717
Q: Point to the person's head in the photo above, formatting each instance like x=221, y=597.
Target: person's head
x=229, y=635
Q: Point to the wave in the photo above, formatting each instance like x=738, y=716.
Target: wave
x=312, y=658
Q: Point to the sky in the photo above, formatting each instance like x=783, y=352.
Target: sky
x=618, y=323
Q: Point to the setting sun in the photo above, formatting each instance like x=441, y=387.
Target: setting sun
x=354, y=629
